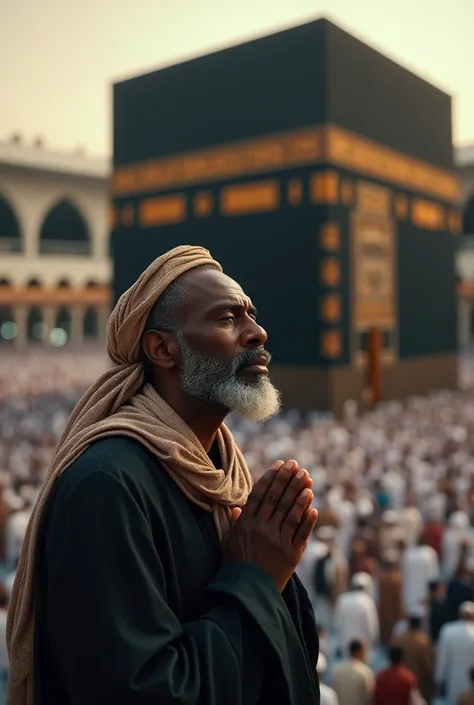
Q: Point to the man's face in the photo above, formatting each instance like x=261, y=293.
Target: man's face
x=223, y=360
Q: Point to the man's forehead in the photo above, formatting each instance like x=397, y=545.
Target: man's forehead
x=210, y=284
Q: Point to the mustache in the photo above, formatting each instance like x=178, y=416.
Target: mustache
x=248, y=356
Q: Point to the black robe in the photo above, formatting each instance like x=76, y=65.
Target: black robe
x=133, y=606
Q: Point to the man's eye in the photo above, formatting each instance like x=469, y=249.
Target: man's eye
x=227, y=318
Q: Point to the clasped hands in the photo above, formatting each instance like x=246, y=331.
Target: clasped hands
x=273, y=528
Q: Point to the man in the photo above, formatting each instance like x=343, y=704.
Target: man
x=395, y=685
x=146, y=576
x=316, y=550
x=419, y=566
x=389, y=532
x=355, y=615
x=437, y=609
x=455, y=537
x=455, y=654
x=460, y=589
x=467, y=697
x=352, y=680
x=418, y=654
x=411, y=521
x=433, y=533
x=328, y=694
x=329, y=575
x=390, y=596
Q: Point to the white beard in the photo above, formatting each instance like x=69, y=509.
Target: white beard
x=207, y=379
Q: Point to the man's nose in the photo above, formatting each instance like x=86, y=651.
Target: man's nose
x=254, y=335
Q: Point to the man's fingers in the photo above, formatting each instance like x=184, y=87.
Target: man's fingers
x=273, y=495
x=297, y=484
x=305, y=529
x=293, y=519
x=262, y=486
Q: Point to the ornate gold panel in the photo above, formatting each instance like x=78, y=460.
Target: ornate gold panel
x=367, y=157
x=162, y=210
x=325, y=187
x=331, y=308
x=288, y=150
x=259, y=155
x=371, y=198
x=374, y=277
x=256, y=197
x=426, y=214
x=330, y=236
x=331, y=344
x=330, y=271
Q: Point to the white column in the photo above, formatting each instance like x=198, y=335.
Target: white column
x=49, y=319
x=21, y=321
x=77, y=324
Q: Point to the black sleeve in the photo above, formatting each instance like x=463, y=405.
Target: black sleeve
x=114, y=638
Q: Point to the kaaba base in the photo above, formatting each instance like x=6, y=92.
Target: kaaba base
x=327, y=388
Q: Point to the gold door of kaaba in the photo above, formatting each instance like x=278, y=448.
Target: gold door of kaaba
x=374, y=285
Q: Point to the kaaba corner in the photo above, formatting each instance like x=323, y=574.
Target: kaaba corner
x=320, y=174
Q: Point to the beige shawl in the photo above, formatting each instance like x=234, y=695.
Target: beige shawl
x=119, y=404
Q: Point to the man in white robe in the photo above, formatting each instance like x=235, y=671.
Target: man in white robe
x=455, y=654
x=420, y=566
x=455, y=536
x=334, y=566
x=356, y=616
x=411, y=523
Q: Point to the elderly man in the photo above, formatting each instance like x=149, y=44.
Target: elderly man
x=152, y=572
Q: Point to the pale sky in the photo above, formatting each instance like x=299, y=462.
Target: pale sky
x=59, y=58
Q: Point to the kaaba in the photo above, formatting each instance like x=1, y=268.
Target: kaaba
x=320, y=174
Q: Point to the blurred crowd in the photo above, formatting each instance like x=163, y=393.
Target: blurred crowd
x=390, y=569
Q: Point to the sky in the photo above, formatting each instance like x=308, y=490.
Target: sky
x=60, y=58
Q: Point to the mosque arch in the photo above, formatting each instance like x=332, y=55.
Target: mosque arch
x=11, y=239
x=33, y=283
x=65, y=231
x=4, y=282
x=64, y=284
x=468, y=217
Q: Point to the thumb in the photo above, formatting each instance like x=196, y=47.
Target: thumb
x=234, y=515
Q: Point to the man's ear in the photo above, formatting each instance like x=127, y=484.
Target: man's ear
x=161, y=348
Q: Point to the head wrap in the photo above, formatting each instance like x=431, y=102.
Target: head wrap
x=119, y=404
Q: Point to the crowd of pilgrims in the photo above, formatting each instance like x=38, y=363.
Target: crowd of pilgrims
x=390, y=569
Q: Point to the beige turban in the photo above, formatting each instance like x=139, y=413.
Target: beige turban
x=119, y=404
